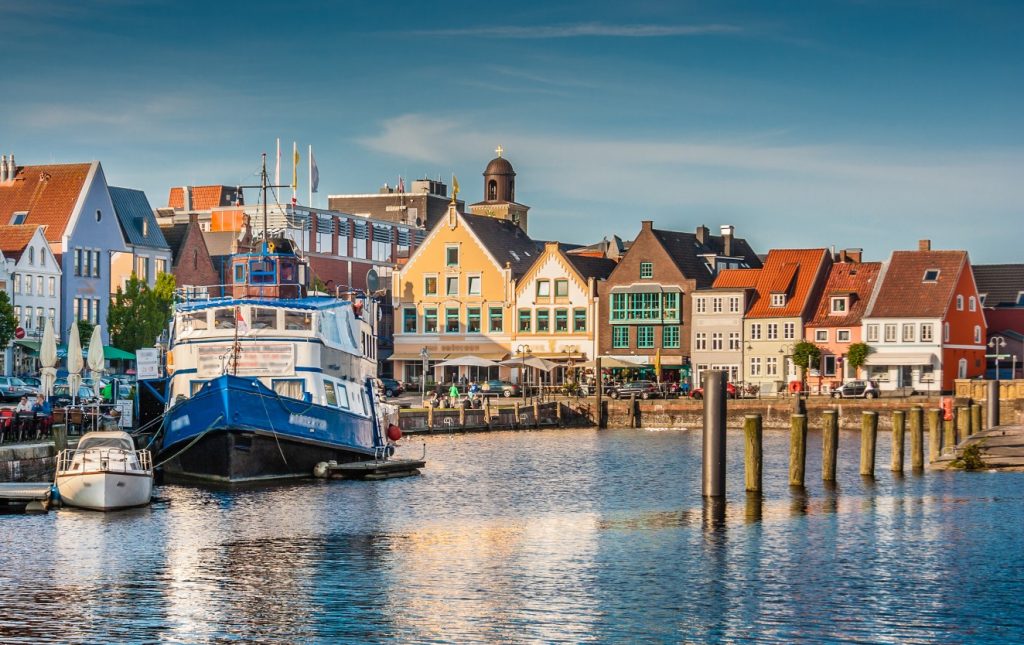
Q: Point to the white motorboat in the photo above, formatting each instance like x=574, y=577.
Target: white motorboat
x=105, y=472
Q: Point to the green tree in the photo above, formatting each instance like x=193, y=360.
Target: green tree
x=8, y=323
x=138, y=314
x=857, y=355
x=805, y=354
x=84, y=331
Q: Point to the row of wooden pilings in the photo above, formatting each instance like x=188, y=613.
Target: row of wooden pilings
x=516, y=407
x=943, y=433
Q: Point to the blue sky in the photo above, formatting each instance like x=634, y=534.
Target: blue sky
x=849, y=123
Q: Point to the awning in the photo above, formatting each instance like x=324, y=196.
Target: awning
x=894, y=358
x=405, y=356
x=560, y=356
x=109, y=353
x=115, y=354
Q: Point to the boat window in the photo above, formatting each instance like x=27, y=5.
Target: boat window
x=343, y=399
x=196, y=321
x=195, y=386
x=291, y=388
x=94, y=442
x=239, y=273
x=298, y=321
x=224, y=318
x=261, y=271
x=287, y=272
x=331, y=395
x=264, y=318
x=356, y=401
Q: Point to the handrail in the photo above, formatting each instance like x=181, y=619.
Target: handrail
x=105, y=459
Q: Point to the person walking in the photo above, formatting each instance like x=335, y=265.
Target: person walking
x=453, y=393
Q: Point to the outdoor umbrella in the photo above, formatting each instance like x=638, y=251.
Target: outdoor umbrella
x=48, y=359
x=470, y=361
x=74, y=362
x=531, y=361
x=96, y=359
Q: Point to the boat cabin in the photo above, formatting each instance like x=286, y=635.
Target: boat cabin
x=271, y=274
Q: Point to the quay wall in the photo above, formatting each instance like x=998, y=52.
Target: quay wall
x=27, y=462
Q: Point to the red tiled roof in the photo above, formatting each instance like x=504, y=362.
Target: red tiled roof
x=904, y=293
x=14, y=239
x=737, y=279
x=47, y=193
x=203, y=197
x=790, y=270
x=856, y=279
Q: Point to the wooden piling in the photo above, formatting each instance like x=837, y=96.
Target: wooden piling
x=963, y=423
x=948, y=433
x=558, y=412
x=829, y=444
x=752, y=453
x=868, y=437
x=797, y=449
x=934, y=435
x=430, y=416
x=917, y=437
x=515, y=412
x=632, y=410
x=975, y=419
x=462, y=416
x=600, y=392
x=536, y=414
x=899, y=427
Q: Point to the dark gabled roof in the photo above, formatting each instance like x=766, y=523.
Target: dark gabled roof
x=1001, y=283
x=138, y=223
x=175, y=235
x=505, y=241
x=590, y=267
x=687, y=252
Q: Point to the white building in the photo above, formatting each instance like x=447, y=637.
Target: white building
x=32, y=279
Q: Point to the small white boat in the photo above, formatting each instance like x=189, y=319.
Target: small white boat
x=105, y=472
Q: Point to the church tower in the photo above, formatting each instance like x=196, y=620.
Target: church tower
x=500, y=193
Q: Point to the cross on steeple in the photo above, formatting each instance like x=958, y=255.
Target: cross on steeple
x=499, y=150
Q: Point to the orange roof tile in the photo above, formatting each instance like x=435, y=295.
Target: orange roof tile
x=736, y=279
x=14, y=239
x=904, y=293
x=47, y=193
x=856, y=279
x=794, y=271
x=203, y=197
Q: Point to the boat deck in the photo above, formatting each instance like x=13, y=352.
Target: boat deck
x=376, y=469
x=29, y=497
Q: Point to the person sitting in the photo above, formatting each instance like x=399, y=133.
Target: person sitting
x=23, y=405
x=44, y=415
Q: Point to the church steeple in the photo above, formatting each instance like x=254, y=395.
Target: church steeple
x=500, y=192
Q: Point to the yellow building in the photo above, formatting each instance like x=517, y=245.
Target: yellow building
x=456, y=296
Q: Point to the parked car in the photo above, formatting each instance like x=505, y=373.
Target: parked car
x=643, y=390
x=730, y=392
x=856, y=390
x=13, y=388
x=33, y=382
x=499, y=388
x=62, y=396
x=391, y=387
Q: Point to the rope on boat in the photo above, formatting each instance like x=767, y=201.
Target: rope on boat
x=191, y=443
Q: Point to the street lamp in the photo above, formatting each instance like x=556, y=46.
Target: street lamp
x=570, y=350
x=997, y=343
x=424, y=355
x=523, y=351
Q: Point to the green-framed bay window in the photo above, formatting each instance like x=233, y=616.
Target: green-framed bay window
x=496, y=319
x=430, y=321
x=525, y=320
x=579, y=320
x=451, y=320
x=409, y=320
x=543, y=321
x=561, y=321
x=472, y=320
x=645, y=306
x=620, y=336
x=670, y=337
x=645, y=337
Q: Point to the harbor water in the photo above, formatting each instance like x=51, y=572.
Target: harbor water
x=548, y=536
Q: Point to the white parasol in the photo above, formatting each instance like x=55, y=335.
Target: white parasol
x=48, y=359
x=96, y=359
x=74, y=361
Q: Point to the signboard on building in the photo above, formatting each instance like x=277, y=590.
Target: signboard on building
x=147, y=364
x=126, y=407
x=255, y=359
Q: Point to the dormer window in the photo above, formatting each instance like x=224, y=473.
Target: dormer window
x=840, y=305
x=931, y=275
x=778, y=300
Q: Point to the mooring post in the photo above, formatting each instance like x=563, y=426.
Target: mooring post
x=934, y=435
x=536, y=414
x=430, y=416
x=963, y=423
x=797, y=449
x=975, y=419
x=515, y=412
x=600, y=392
x=462, y=416
x=917, y=437
x=868, y=436
x=632, y=410
x=713, y=462
x=752, y=455
x=992, y=404
x=899, y=428
x=558, y=411
x=60, y=437
x=948, y=432
x=829, y=444
x=487, y=411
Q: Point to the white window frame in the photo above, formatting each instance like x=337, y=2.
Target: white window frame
x=778, y=300
x=821, y=336
x=872, y=333
x=755, y=331
x=841, y=302
x=842, y=335
x=926, y=335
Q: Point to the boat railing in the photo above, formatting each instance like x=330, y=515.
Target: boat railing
x=106, y=459
x=219, y=292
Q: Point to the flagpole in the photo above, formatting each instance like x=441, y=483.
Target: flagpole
x=310, y=164
x=295, y=172
x=277, y=171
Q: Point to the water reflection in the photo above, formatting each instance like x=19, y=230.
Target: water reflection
x=544, y=537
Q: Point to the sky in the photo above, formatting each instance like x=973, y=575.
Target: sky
x=849, y=123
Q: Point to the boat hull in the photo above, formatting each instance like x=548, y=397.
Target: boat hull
x=105, y=491
x=236, y=431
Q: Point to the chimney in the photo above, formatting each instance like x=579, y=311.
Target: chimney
x=646, y=224
x=727, y=233
x=854, y=255
x=3, y=169
x=924, y=245
x=842, y=257
x=186, y=198
x=12, y=170
x=193, y=218
x=702, y=234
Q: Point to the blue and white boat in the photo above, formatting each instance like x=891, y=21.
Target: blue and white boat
x=267, y=382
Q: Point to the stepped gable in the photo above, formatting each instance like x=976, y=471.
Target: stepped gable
x=47, y=193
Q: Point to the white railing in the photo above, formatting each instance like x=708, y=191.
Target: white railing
x=105, y=459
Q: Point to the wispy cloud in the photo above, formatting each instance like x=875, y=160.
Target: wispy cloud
x=583, y=30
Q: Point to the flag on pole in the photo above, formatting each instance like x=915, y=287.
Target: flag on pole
x=295, y=172
x=401, y=184
x=314, y=172
x=455, y=187
x=277, y=171
x=243, y=328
